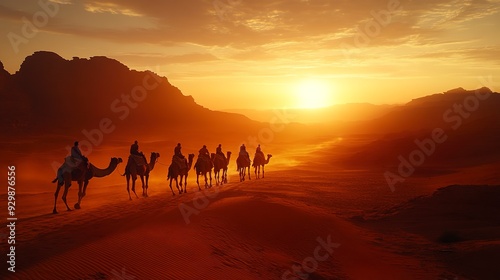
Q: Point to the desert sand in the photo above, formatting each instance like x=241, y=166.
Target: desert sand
x=306, y=219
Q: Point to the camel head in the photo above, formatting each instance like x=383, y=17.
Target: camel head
x=269, y=156
x=190, y=160
x=115, y=161
x=154, y=156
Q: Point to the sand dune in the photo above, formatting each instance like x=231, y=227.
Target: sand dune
x=257, y=229
x=268, y=228
x=458, y=225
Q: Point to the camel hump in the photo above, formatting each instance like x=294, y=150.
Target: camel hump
x=204, y=163
x=181, y=162
x=138, y=160
x=259, y=157
x=219, y=157
x=243, y=160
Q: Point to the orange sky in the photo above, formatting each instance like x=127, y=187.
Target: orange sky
x=232, y=54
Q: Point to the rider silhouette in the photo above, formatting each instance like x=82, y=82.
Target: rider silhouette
x=177, y=151
x=77, y=156
x=258, y=151
x=203, y=152
x=243, y=153
x=219, y=152
x=178, y=157
x=134, y=150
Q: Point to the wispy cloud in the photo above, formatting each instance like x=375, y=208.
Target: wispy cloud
x=112, y=8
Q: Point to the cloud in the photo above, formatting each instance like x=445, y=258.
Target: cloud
x=112, y=8
x=12, y=14
x=486, y=54
x=264, y=30
x=245, y=23
x=161, y=59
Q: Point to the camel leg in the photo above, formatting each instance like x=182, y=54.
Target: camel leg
x=262, y=171
x=180, y=184
x=197, y=181
x=143, y=186
x=177, y=184
x=147, y=186
x=66, y=189
x=85, y=185
x=210, y=174
x=81, y=194
x=181, y=190
x=185, y=183
x=171, y=178
x=56, y=194
x=134, y=178
x=128, y=186
x=249, y=173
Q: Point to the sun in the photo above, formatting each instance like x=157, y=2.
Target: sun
x=313, y=93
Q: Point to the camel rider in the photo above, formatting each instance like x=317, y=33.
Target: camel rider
x=71, y=162
x=134, y=150
x=219, y=152
x=243, y=152
x=258, y=151
x=203, y=152
x=177, y=151
x=76, y=155
x=179, y=157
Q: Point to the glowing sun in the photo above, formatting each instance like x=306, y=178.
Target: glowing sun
x=312, y=94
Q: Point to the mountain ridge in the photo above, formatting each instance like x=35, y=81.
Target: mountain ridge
x=51, y=93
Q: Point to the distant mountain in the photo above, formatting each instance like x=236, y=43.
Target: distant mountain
x=52, y=94
x=346, y=113
x=440, y=109
x=468, y=122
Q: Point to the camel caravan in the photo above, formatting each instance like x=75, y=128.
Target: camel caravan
x=76, y=167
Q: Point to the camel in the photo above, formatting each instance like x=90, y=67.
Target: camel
x=203, y=167
x=132, y=170
x=219, y=164
x=82, y=175
x=175, y=171
x=243, y=163
x=259, y=161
